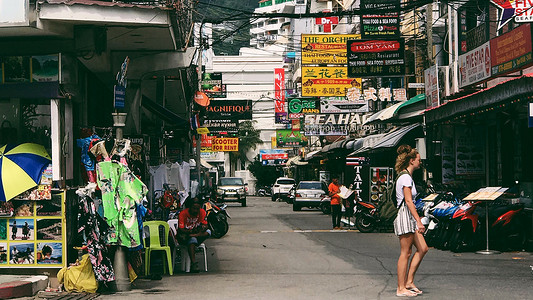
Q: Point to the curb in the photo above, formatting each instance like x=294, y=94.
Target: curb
x=23, y=288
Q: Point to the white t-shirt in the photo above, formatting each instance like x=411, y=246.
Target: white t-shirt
x=404, y=180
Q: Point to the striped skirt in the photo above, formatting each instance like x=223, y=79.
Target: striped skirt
x=404, y=222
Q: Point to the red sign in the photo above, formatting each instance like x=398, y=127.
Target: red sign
x=279, y=95
x=206, y=141
x=271, y=156
x=374, y=46
x=327, y=22
x=511, y=52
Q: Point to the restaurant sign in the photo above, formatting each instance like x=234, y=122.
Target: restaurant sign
x=511, y=52
x=474, y=66
x=325, y=48
x=333, y=124
x=520, y=10
x=290, y=138
x=326, y=81
x=376, y=58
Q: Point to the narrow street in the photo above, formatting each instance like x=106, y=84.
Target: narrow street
x=272, y=252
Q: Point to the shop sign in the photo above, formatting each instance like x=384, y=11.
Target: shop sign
x=212, y=156
x=376, y=58
x=211, y=83
x=380, y=5
x=206, y=143
x=333, y=124
x=469, y=151
x=230, y=109
x=279, y=95
x=225, y=144
x=325, y=48
x=217, y=94
x=436, y=85
x=298, y=107
x=380, y=23
x=326, y=22
x=520, y=10
x=332, y=105
x=476, y=37
x=326, y=81
x=290, y=138
x=45, y=68
x=272, y=154
x=119, y=96
x=474, y=66
x=512, y=51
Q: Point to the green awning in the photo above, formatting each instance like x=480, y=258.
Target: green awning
x=415, y=99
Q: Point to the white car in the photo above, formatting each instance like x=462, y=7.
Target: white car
x=309, y=194
x=282, y=189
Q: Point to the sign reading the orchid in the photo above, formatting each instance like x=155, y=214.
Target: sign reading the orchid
x=325, y=48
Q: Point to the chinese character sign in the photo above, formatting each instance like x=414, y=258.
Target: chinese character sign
x=326, y=81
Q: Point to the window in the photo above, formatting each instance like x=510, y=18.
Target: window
x=231, y=181
x=286, y=181
x=310, y=185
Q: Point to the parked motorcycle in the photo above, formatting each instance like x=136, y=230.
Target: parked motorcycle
x=217, y=218
x=263, y=191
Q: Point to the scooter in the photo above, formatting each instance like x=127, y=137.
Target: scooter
x=263, y=191
x=217, y=218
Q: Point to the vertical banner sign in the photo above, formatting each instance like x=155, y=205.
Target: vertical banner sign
x=431, y=82
x=530, y=115
x=279, y=95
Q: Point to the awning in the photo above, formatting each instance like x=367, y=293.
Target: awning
x=383, y=114
x=414, y=107
x=164, y=113
x=486, y=98
x=295, y=161
x=311, y=154
x=383, y=140
x=335, y=145
x=203, y=163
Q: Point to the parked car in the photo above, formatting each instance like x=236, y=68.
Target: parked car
x=282, y=189
x=309, y=194
x=231, y=189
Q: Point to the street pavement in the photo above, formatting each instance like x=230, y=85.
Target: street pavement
x=271, y=252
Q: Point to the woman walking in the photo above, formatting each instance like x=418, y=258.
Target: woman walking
x=407, y=225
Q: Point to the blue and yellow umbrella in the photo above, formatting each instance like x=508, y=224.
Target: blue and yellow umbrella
x=21, y=168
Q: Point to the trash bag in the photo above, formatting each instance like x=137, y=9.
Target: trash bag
x=79, y=278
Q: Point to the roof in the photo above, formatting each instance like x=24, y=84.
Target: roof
x=105, y=4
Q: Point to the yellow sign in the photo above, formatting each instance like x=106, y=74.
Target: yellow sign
x=327, y=81
x=325, y=48
x=225, y=144
x=202, y=130
x=273, y=141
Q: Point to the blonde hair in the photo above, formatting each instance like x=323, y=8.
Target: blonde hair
x=405, y=154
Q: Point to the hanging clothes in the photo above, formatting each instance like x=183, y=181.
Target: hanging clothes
x=121, y=192
x=94, y=230
x=159, y=176
x=185, y=176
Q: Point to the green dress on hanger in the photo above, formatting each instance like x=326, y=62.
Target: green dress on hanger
x=121, y=192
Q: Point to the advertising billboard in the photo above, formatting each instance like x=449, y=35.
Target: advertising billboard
x=512, y=51
x=279, y=96
x=474, y=66
x=326, y=81
x=376, y=58
x=298, y=107
x=290, y=138
x=224, y=115
x=225, y=144
x=325, y=48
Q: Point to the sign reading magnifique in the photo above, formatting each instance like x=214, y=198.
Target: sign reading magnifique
x=367, y=58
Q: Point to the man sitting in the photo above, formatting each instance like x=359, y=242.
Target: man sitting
x=192, y=229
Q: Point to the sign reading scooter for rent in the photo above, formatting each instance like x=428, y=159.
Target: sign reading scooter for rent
x=225, y=144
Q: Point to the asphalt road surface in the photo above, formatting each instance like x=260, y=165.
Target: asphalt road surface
x=272, y=252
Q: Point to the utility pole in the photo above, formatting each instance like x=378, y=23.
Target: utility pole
x=198, y=136
x=429, y=32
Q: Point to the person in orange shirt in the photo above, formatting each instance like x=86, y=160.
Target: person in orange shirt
x=334, y=189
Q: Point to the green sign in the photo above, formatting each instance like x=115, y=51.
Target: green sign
x=290, y=138
x=298, y=107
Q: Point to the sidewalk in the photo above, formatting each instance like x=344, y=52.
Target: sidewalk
x=15, y=286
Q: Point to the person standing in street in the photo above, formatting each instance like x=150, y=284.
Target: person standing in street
x=334, y=190
x=407, y=225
